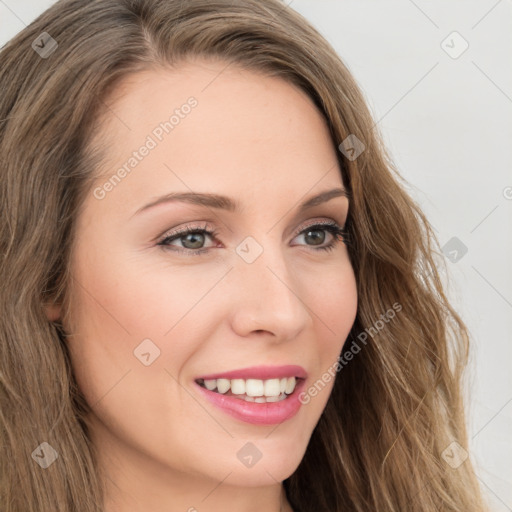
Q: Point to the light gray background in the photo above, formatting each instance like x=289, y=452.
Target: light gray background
x=448, y=124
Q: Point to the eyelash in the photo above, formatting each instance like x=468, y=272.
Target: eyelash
x=333, y=228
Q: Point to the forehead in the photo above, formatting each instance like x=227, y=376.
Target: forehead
x=212, y=126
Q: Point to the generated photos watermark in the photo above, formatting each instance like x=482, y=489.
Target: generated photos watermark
x=156, y=136
x=348, y=355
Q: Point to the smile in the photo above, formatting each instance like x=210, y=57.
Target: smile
x=261, y=395
x=252, y=390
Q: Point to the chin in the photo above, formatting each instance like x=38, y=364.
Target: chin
x=263, y=473
x=274, y=459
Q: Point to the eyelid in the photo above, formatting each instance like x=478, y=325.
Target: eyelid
x=323, y=222
x=207, y=227
x=188, y=227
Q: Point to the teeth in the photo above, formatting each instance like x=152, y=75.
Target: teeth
x=290, y=385
x=272, y=387
x=223, y=385
x=210, y=384
x=254, y=387
x=238, y=387
x=254, y=390
x=263, y=399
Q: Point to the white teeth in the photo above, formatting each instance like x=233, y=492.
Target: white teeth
x=270, y=390
x=223, y=385
x=210, y=384
x=264, y=399
x=272, y=387
x=290, y=385
x=254, y=387
x=238, y=386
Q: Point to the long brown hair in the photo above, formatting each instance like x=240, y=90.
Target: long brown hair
x=395, y=408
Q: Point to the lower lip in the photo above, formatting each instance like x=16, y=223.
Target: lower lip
x=268, y=413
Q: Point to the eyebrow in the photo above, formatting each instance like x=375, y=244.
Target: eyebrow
x=225, y=203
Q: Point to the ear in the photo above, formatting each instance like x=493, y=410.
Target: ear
x=52, y=312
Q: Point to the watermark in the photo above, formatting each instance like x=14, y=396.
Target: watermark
x=146, y=352
x=44, y=45
x=454, y=454
x=249, y=250
x=454, y=249
x=45, y=455
x=454, y=45
x=249, y=455
x=352, y=147
x=348, y=355
x=507, y=193
x=157, y=135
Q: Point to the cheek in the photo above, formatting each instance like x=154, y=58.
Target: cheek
x=137, y=327
x=340, y=300
x=127, y=300
x=334, y=308
x=332, y=300
x=122, y=324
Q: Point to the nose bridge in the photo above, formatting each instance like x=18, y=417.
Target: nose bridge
x=265, y=295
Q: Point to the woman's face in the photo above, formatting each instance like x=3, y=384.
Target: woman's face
x=260, y=300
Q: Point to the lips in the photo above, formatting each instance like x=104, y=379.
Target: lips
x=259, y=395
x=260, y=372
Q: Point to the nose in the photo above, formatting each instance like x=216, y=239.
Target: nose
x=267, y=298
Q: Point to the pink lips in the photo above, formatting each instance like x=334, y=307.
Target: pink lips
x=268, y=413
x=260, y=372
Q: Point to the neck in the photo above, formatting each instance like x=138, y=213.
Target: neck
x=135, y=494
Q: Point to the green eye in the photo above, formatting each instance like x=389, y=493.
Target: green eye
x=193, y=239
x=339, y=235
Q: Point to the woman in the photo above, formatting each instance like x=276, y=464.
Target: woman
x=216, y=295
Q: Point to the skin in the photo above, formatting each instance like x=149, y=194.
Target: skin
x=262, y=142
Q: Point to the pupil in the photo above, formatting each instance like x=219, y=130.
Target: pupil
x=195, y=239
x=318, y=239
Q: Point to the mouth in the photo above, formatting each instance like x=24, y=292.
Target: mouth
x=261, y=395
x=253, y=390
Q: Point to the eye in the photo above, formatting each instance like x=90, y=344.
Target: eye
x=194, y=239
x=316, y=235
x=191, y=239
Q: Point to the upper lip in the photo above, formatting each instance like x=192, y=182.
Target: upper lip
x=260, y=372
